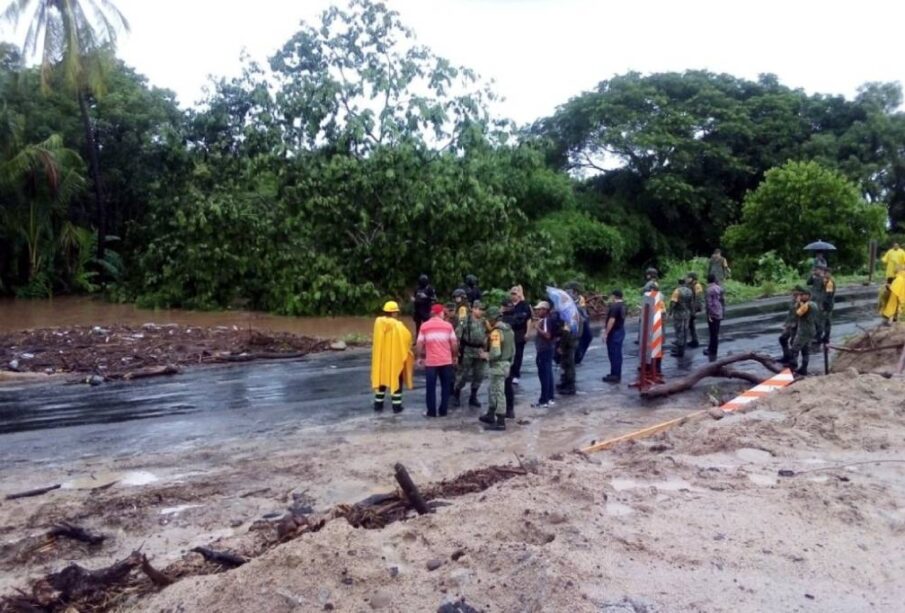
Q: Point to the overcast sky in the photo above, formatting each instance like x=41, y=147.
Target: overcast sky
x=542, y=52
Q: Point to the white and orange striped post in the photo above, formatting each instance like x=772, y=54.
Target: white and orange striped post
x=760, y=390
x=650, y=352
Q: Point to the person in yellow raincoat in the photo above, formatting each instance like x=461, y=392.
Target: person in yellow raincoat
x=895, y=301
x=893, y=258
x=392, y=361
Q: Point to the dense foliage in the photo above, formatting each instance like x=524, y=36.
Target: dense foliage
x=357, y=159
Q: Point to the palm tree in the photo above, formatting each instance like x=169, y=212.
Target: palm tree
x=71, y=35
x=46, y=175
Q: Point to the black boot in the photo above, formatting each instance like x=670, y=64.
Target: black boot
x=378, y=406
x=473, y=400
x=499, y=424
x=488, y=418
x=510, y=413
x=456, y=398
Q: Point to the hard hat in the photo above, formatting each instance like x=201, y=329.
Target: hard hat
x=390, y=306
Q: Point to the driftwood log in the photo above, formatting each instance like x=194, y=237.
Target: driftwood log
x=35, y=492
x=157, y=578
x=716, y=368
x=411, y=490
x=158, y=371
x=220, y=557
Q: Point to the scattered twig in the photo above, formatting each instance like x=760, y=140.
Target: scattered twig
x=35, y=492
x=220, y=557
x=76, y=533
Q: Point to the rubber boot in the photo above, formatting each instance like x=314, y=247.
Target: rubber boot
x=510, y=413
x=473, y=399
x=498, y=424
x=488, y=418
x=378, y=406
x=456, y=398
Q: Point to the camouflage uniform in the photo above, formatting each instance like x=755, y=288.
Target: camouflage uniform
x=789, y=327
x=472, y=335
x=681, y=304
x=806, y=314
x=500, y=354
x=823, y=295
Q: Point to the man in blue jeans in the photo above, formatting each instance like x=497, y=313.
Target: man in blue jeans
x=438, y=345
x=545, y=345
x=614, y=335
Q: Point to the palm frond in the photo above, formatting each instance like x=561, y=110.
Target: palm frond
x=14, y=11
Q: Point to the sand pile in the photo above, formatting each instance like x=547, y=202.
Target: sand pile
x=890, y=338
x=695, y=519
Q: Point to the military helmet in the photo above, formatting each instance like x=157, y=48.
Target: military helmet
x=651, y=271
x=471, y=280
x=493, y=312
x=693, y=275
x=477, y=304
x=459, y=293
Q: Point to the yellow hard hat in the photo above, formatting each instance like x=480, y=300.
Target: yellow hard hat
x=390, y=307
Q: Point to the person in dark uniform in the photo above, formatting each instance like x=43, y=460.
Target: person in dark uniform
x=422, y=301
x=518, y=315
x=472, y=291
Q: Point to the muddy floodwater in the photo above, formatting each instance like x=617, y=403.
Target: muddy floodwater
x=83, y=311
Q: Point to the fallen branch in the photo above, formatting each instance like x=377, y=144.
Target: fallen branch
x=731, y=373
x=866, y=349
x=411, y=490
x=76, y=533
x=714, y=369
x=36, y=492
x=157, y=578
x=220, y=557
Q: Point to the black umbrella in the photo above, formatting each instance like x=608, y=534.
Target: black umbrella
x=820, y=245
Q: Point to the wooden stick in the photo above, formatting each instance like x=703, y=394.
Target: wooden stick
x=411, y=490
x=644, y=433
x=36, y=492
x=157, y=578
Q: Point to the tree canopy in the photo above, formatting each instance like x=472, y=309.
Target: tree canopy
x=355, y=159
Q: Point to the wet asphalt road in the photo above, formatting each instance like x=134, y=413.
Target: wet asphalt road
x=53, y=422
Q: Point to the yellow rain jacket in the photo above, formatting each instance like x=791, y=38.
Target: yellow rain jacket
x=391, y=355
x=896, y=300
x=893, y=259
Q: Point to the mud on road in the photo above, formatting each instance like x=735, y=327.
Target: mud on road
x=119, y=351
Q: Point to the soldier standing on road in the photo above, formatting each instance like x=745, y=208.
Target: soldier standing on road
x=719, y=267
x=472, y=336
x=697, y=291
x=681, y=304
x=806, y=315
x=789, y=327
x=824, y=296
x=499, y=356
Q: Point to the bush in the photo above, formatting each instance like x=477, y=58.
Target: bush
x=802, y=202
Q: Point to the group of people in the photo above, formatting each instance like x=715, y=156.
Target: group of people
x=465, y=342
x=462, y=343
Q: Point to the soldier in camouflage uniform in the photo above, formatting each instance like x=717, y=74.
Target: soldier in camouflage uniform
x=500, y=353
x=789, y=327
x=697, y=291
x=806, y=314
x=681, y=304
x=823, y=295
x=472, y=335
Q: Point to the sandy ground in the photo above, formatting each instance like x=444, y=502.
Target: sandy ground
x=695, y=519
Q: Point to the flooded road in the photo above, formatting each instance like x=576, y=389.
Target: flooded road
x=84, y=311
x=54, y=422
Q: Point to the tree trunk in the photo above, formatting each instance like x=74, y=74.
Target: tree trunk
x=94, y=167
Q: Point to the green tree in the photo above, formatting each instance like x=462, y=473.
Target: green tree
x=801, y=202
x=72, y=35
